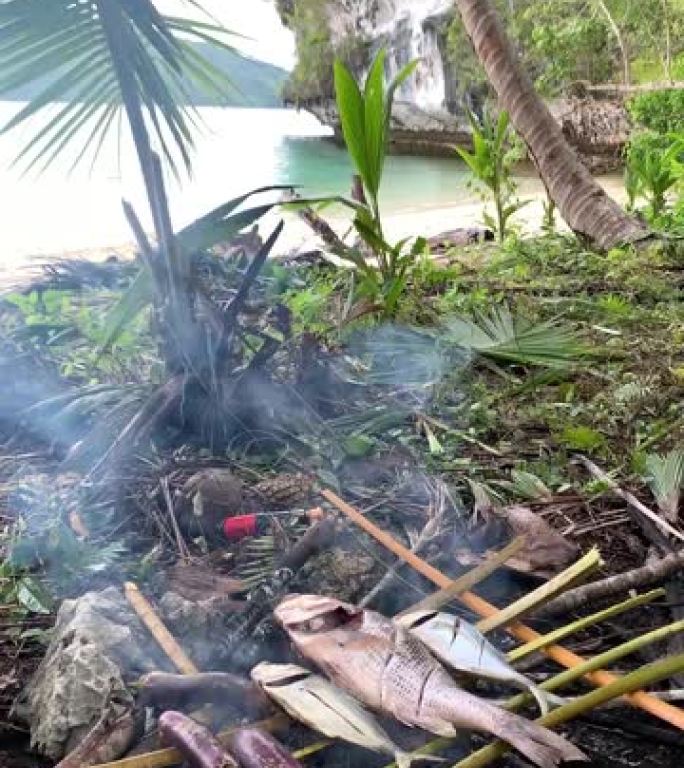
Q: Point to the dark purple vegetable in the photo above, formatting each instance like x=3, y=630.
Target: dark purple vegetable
x=164, y=690
x=256, y=749
x=195, y=742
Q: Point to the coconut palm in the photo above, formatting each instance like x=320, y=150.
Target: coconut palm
x=580, y=199
x=102, y=57
x=89, y=61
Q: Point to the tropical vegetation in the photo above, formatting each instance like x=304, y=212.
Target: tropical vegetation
x=436, y=369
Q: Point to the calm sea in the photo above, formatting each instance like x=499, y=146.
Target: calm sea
x=237, y=149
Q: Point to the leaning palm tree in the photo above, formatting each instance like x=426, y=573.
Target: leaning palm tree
x=580, y=199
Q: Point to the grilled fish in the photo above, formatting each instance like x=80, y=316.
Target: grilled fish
x=312, y=700
x=388, y=670
x=463, y=648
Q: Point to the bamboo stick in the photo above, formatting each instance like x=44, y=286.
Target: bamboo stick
x=564, y=657
x=161, y=634
x=468, y=580
x=577, y=626
x=570, y=577
x=651, y=673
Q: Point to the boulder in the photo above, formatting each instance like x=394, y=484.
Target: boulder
x=98, y=646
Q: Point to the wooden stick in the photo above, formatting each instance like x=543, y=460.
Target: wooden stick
x=159, y=632
x=565, y=658
x=653, y=573
x=633, y=503
x=568, y=578
x=468, y=580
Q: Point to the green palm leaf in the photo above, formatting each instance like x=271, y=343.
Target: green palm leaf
x=504, y=337
x=92, y=57
x=666, y=478
x=219, y=225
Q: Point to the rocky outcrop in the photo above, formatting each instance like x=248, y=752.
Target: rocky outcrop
x=415, y=131
x=598, y=129
x=430, y=108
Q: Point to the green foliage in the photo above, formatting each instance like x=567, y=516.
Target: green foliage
x=665, y=475
x=19, y=589
x=491, y=162
x=365, y=118
x=310, y=304
x=582, y=438
x=507, y=338
x=614, y=306
x=218, y=226
x=563, y=42
x=654, y=166
x=565, y=45
x=105, y=55
x=69, y=327
x=659, y=111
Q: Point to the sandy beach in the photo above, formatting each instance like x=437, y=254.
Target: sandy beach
x=426, y=220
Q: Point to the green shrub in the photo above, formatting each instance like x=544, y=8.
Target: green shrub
x=365, y=118
x=491, y=162
x=654, y=166
x=660, y=111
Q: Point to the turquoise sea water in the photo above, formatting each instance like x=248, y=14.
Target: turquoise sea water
x=237, y=149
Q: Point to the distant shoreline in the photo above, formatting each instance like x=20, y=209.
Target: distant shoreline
x=426, y=220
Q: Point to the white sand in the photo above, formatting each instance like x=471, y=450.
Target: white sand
x=414, y=221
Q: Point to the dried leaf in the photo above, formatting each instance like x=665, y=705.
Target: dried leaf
x=546, y=551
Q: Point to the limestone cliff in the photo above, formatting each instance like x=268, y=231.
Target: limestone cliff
x=430, y=108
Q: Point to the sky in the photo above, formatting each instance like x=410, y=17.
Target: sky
x=256, y=19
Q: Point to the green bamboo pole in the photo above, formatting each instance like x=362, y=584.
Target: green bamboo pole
x=598, y=662
x=570, y=577
x=576, y=626
x=312, y=749
x=635, y=681
x=570, y=675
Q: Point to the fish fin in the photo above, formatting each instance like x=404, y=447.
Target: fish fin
x=534, y=690
x=540, y=696
x=407, y=759
x=539, y=745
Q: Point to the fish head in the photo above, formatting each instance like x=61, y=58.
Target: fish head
x=309, y=614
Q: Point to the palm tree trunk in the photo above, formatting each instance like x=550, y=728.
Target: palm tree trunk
x=580, y=199
x=173, y=302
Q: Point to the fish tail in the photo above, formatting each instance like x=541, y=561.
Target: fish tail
x=540, y=745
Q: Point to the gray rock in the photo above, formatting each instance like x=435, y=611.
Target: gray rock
x=98, y=644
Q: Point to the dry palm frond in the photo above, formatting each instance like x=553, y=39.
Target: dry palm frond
x=507, y=338
x=666, y=479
